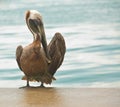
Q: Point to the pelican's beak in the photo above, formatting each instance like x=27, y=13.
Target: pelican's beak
x=37, y=28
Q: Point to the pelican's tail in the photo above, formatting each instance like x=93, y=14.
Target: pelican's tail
x=30, y=79
x=47, y=78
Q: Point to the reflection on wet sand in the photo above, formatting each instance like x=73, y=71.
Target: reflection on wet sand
x=60, y=97
x=42, y=96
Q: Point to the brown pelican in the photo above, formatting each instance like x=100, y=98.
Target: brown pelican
x=40, y=61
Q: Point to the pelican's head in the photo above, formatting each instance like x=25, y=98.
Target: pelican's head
x=32, y=14
x=34, y=22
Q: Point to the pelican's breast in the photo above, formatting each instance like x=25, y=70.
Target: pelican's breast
x=32, y=62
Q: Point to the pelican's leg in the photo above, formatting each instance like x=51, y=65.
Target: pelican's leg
x=42, y=85
x=28, y=85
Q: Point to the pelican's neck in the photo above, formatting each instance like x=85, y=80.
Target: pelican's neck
x=36, y=37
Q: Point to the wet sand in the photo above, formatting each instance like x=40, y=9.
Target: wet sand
x=60, y=97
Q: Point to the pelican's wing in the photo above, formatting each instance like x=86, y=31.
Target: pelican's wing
x=18, y=55
x=56, y=49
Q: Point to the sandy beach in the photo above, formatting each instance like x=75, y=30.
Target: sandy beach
x=60, y=97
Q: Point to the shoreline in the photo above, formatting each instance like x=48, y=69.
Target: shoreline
x=60, y=97
x=19, y=83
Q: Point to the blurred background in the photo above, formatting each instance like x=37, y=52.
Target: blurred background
x=91, y=29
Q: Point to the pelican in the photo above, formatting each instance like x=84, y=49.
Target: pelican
x=39, y=61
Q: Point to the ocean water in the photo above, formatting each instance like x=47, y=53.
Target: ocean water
x=91, y=29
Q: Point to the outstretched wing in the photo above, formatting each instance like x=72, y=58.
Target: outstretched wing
x=18, y=55
x=56, y=49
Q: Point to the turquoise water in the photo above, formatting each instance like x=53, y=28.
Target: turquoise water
x=91, y=29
